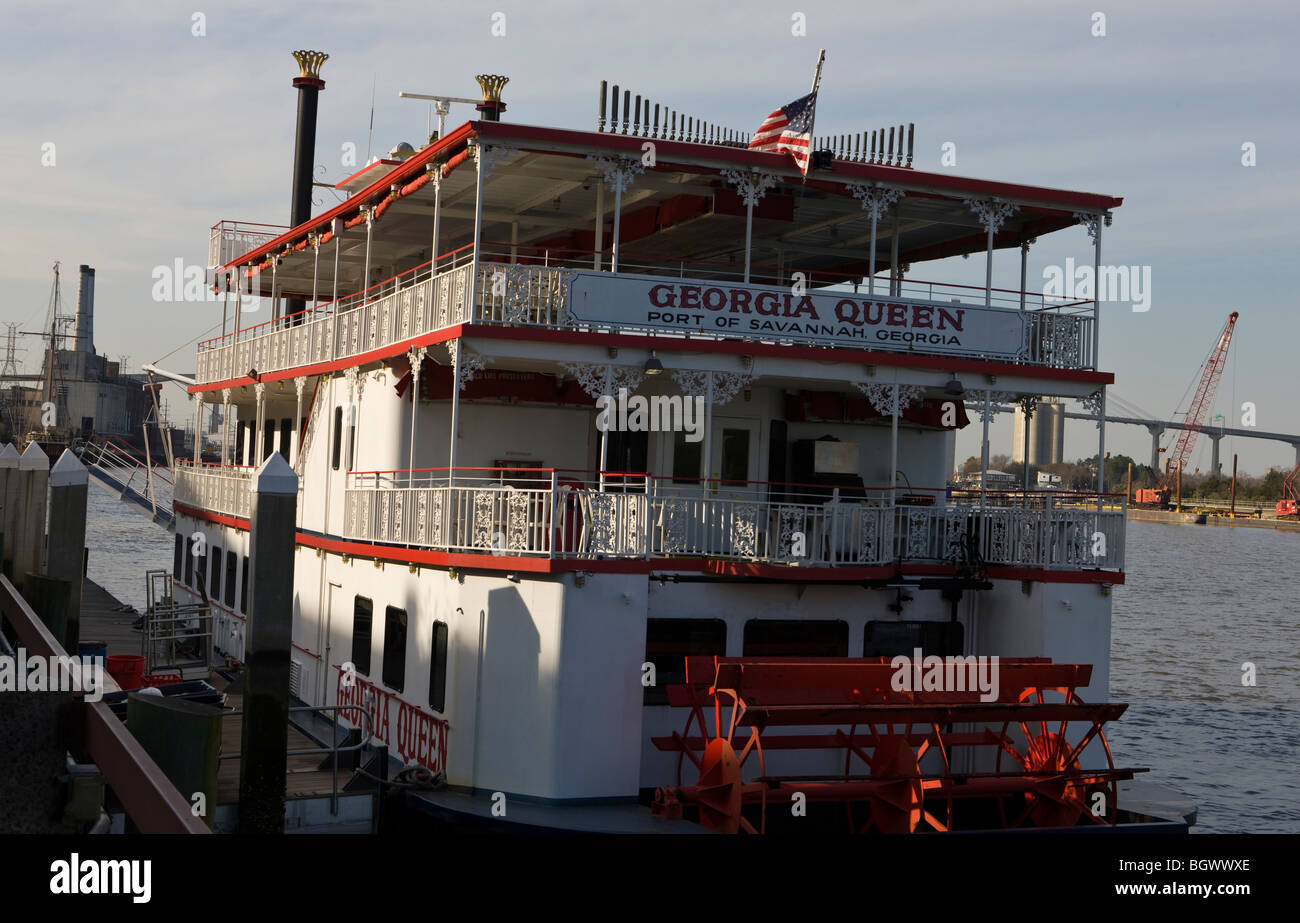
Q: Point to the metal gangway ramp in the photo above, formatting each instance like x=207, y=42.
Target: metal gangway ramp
x=177, y=636
x=134, y=479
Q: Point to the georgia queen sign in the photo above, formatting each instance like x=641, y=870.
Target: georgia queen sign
x=822, y=318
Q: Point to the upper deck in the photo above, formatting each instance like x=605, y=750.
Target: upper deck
x=577, y=233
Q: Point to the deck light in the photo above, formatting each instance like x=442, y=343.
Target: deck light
x=653, y=366
x=954, y=388
x=252, y=373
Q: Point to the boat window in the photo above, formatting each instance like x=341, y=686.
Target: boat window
x=890, y=639
x=362, y=610
x=239, y=442
x=686, y=459
x=232, y=576
x=243, y=589
x=796, y=638
x=352, y=440
x=189, y=561
x=214, y=590
x=438, y=668
x=179, y=561
x=338, y=438
x=735, y=455
x=201, y=573
x=268, y=440
x=395, y=648
x=286, y=427
x=668, y=642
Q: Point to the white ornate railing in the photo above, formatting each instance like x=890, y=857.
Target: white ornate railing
x=533, y=296
x=216, y=489
x=1035, y=531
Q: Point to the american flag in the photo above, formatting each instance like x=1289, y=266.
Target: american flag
x=788, y=129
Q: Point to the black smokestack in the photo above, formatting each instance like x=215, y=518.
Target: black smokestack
x=309, y=85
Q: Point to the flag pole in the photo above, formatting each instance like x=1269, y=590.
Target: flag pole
x=812, y=124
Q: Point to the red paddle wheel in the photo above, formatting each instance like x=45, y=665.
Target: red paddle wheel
x=897, y=774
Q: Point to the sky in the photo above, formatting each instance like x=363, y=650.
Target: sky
x=166, y=118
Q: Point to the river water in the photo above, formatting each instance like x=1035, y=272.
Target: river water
x=1199, y=603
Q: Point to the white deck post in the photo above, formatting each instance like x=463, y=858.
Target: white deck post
x=437, y=217
x=455, y=411
x=225, y=426
x=365, y=279
x=893, y=450
x=478, y=244
x=1024, y=268
x=259, y=437
x=198, y=427
x=416, y=358
x=299, y=385
x=315, y=272
x=894, y=287
x=618, y=210
x=234, y=334
x=338, y=235
x=604, y=435
x=984, y=448
x=708, y=429
x=600, y=225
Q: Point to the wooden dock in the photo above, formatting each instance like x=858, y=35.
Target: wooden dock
x=100, y=620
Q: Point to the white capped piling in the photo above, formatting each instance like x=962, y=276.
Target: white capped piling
x=66, y=546
x=268, y=641
x=29, y=531
x=8, y=505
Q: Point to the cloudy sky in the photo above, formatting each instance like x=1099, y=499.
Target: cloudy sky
x=158, y=133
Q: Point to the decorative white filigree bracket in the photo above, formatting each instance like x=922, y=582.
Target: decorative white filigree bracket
x=466, y=365
x=1090, y=223
x=490, y=156
x=619, y=171
x=598, y=379
x=726, y=385
x=752, y=186
x=991, y=398
x=881, y=396
x=993, y=212
x=875, y=199
x=1093, y=405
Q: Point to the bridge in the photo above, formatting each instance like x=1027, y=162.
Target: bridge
x=1157, y=428
x=1215, y=434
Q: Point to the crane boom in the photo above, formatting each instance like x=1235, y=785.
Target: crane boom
x=1203, y=400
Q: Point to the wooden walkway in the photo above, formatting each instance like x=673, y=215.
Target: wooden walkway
x=302, y=778
x=100, y=621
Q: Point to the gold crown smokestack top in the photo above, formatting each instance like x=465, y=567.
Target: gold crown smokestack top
x=491, y=106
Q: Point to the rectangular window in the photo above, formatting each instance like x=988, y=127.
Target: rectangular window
x=232, y=576
x=189, y=561
x=352, y=443
x=338, y=438
x=686, y=459
x=796, y=638
x=890, y=639
x=268, y=441
x=286, y=427
x=214, y=590
x=438, y=668
x=735, y=456
x=239, y=442
x=362, y=611
x=179, y=562
x=668, y=642
x=201, y=574
x=243, y=590
x=394, y=648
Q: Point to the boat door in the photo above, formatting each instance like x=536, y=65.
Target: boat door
x=734, y=457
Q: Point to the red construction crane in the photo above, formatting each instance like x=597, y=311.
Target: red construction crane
x=1202, y=401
